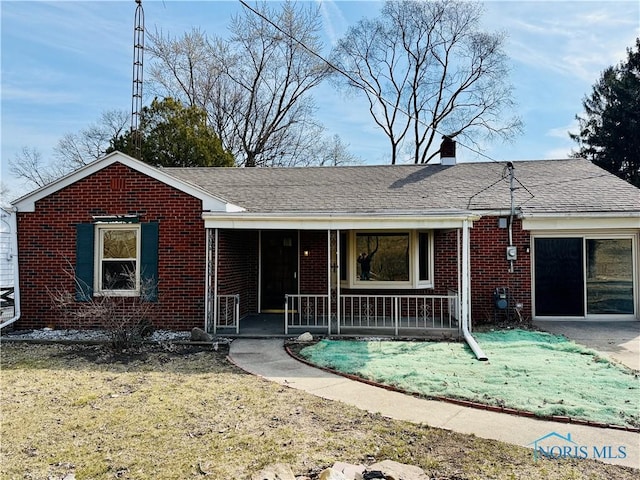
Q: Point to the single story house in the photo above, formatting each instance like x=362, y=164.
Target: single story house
x=386, y=248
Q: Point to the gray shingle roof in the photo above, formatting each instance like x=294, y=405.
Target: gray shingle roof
x=543, y=186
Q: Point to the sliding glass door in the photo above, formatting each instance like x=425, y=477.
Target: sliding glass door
x=584, y=276
x=609, y=279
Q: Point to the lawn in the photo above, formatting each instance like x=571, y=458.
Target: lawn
x=79, y=412
x=531, y=371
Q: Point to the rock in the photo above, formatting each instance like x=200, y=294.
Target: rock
x=350, y=471
x=373, y=475
x=396, y=471
x=331, y=474
x=305, y=337
x=275, y=471
x=199, y=335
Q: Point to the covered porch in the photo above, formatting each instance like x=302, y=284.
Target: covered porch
x=286, y=274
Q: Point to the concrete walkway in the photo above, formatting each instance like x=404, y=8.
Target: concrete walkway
x=267, y=358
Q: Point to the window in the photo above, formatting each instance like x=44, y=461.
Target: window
x=118, y=260
x=383, y=259
x=344, y=254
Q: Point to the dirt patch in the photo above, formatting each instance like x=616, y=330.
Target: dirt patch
x=186, y=412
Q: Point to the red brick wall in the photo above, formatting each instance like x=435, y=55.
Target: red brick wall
x=446, y=261
x=47, y=240
x=490, y=269
x=238, y=267
x=313, y=268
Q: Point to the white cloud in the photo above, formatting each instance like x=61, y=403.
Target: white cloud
x=558, y=152
x=333, y=20
x=563, y=131
x=573, y=39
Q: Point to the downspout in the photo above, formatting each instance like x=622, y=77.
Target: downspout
x=464, y=310
x=13, y=228
x=511, y=190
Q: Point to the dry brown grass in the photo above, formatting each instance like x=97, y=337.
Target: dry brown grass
x=188, y=413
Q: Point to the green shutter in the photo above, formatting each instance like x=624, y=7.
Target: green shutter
x=149, y=261
x=84, y=261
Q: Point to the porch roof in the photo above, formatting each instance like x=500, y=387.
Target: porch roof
x=543, y=187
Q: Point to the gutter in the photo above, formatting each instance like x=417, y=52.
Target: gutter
x=465, y=293
x=13, y=227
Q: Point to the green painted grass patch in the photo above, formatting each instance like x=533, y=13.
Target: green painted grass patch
x=531, y=371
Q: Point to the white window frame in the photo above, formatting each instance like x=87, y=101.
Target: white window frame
x=414, y=282
x=101, y=228
x=584, y=236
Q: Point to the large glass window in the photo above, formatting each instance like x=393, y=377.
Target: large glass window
x=609, y=276
x=118, y=259
x=387, y=259
x=383, y=257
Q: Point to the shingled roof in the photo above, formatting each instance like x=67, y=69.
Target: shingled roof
x=542, y=187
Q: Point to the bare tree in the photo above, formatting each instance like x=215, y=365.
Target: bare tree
x=332, y=151
x=255, y=85
x=426, y=70
x=5, y=195
x=77, y=149
x=73, y=150
x=29, y=166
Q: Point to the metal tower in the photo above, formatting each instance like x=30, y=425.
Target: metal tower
x=136, y=100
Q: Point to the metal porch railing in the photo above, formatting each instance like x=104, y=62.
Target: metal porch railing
x=374, y=312
x=411, y=312
x=227, y=313
x=306, y=311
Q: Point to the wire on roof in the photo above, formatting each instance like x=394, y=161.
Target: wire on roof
x=382, y=99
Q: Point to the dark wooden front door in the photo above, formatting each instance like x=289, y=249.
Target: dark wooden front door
x=279, y=267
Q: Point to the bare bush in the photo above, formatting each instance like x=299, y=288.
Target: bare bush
x=125, y=318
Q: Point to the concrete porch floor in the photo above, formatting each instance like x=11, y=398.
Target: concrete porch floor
x=271, y=325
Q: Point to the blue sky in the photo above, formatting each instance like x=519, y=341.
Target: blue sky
x=66, y=62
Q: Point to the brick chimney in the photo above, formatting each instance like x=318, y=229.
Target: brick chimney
x=447, y=151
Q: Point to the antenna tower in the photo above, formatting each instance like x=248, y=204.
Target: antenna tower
x=136, y=100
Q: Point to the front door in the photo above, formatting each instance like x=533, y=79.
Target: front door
x=279, y=267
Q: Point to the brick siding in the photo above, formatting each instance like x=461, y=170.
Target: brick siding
x=47, y=241
x=490, y=269
x=238, y=267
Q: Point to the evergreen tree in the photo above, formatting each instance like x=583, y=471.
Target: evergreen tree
x=610, y=126
x=175, y=136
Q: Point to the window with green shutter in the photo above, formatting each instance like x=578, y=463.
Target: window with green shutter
x=119, y=259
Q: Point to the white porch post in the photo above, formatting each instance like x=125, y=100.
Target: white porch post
x=329, y=282
x=207, y=279
x=338, y=280
x=465, y=261
x=215, y=281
